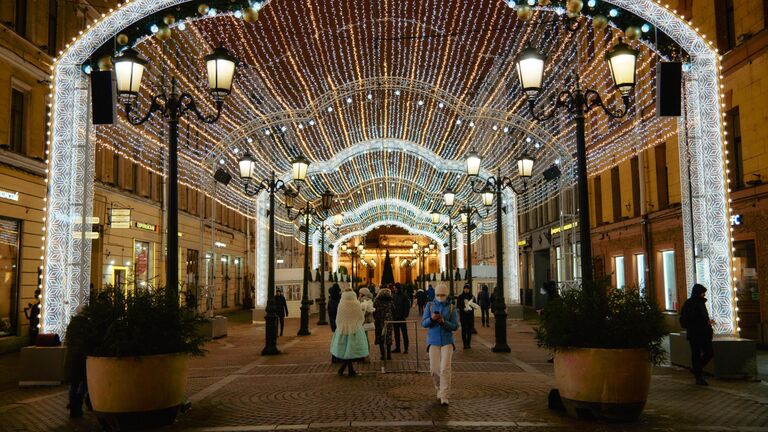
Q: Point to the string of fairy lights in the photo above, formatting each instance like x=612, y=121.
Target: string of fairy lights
x=339, y=45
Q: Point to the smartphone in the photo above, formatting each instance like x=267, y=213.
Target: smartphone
x=436, y=312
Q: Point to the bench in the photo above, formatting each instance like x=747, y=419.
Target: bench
x=735, y=358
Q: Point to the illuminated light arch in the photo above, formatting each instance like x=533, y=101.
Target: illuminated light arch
x=70, y=166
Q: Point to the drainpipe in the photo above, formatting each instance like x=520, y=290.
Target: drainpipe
x=645, y=230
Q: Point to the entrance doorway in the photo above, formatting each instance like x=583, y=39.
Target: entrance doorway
x=120, y=278
x=745, y=273
x=540, y=276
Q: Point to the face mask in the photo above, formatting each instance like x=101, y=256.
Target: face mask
x=543, y=291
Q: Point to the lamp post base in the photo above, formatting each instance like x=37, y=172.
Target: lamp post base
x=304, y=328
x=500, y=322
x=270, y=344
x=321, y=309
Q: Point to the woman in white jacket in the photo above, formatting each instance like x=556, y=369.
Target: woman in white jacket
x=366, y=305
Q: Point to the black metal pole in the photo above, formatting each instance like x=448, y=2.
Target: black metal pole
x=585, y=237
x=172, y=259
x=450, y=255
x=499, y=306
x=469, y=249
x=321, y=301
x=270, y=318
x=304, y=327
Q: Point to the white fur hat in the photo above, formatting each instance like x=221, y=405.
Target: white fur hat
x=441, y=289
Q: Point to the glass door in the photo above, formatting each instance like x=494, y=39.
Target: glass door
x=9, y=271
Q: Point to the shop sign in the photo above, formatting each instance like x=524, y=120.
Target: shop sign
x=146, y=226
x=736, y=220
x=220, y=244
x=89, y=235
x=120, y=218
x=13, y=196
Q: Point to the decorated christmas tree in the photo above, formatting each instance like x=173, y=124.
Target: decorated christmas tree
x=387, y=276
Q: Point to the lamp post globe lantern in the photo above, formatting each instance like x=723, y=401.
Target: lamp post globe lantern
x=530, y=71
x=221, y=72
x=289, y=196
x=473, y=163
x=431, y=246
x=525, y=166
x=415, y=246
x=300, y=166
x=327, y=198
x=129, y=68
x=247, y=166
x=622, y=60
x=338, y=219
x=435, y=217
x=464, y=218
x=487, y=196
x=449, y=196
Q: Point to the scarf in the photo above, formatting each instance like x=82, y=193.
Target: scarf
x=349, y=317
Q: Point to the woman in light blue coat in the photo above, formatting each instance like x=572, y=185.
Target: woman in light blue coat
x=440, y=320
x=349, y=342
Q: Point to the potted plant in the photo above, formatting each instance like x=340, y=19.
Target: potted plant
x=605, y=342
x=138, y=346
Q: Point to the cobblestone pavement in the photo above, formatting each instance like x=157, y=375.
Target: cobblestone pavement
x=233, y=388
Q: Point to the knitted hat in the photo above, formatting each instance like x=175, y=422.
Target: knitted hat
x=441, y=289
x=366, y=292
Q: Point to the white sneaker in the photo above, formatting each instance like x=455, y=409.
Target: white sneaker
x=443, y=401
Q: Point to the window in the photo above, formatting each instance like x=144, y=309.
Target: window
x=115, y=168
x=735, y=153
x=726, y=25
x=576, y=260
x=670, y=287
x=560, y=264
x=598, y=191
x=616, y=193
x=225, y=276
x=142, y=261
x=618, y=270
x=662, y=182
x=635, y=168
x=20, y=18
x=9, y=272
x=53, y=20
x=210, y=279
x=16, y=136
x=640, y=270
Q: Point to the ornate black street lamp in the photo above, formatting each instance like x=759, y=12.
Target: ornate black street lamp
x=308, y=211
x=622, y=60
x=423, y=254
x=337, y=220
x=129, y=68
x=449, y=196
x=495, y=185
x=253, y=187
x=466, y=218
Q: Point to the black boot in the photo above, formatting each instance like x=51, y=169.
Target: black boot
x=352, y=369
x=341, y=370
x=389, y=352
x=383, y=352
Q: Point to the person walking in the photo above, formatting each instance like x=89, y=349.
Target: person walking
x=384, y=312
x=402, y=307
x=694, y=318
x=32, y=313
x=467, y=315
x=334, y=296
x=77, y=338
x=349, y=342
x=282, y=308
x=421, y=300
x=484, y=300
x=440, y=320
x=430, y=293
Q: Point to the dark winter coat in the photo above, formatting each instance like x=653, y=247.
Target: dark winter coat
x=334, y=297
x=402, y=306
x=421, y=298
x=462, y=303
x=385, y=311
x=694, y=317
x=483, y=298
x=77, y=348
x=281, y=306
x=430, y=293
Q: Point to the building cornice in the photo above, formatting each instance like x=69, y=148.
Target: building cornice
x=37, y=69
x=22, y=162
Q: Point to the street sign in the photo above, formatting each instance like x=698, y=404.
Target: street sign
x=120, y=218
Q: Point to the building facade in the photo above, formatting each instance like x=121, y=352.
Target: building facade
x=637, y=221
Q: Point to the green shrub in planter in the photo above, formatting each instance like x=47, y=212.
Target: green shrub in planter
x=600, y=316
x=141, y=322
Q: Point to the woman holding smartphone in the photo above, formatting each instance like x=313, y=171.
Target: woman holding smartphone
x=441, y=321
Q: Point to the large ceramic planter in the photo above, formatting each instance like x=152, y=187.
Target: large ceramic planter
x=610, y=384
x=137, y=392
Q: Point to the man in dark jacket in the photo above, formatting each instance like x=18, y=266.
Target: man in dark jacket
x=334, y=297
x=467, y=317
x=694, y=318
x=77, y=350
x=484, y=300
x=282, y=309
x=402, y=305
x=421, y=300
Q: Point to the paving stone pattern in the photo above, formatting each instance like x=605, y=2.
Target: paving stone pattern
x=234, y=388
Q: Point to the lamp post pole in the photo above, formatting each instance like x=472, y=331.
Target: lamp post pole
x=321, y=301
x=450, y=255
x=499, y=304
x=270, y=317
x=304, y=326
